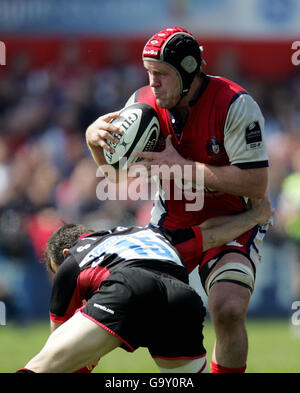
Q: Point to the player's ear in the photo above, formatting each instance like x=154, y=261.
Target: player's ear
x=65, y=250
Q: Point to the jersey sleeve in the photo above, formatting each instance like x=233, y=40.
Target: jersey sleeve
x=244, y=134
x=65, y=296
x=188, y=242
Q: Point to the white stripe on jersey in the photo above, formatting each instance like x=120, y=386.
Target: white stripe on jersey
x=140, y=245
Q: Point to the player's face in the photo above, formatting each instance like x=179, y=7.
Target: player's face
x=164, y=82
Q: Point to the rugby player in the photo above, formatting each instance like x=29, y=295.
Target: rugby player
x=213, y=125
x=128, y=287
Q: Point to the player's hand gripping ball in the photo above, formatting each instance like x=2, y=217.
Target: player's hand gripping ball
x=141, y=133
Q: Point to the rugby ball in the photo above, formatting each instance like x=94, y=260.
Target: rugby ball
x=141, y=128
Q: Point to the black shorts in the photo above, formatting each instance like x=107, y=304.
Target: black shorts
x=145, y=308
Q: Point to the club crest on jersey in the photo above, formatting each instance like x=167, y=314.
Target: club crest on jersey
x=213, y=146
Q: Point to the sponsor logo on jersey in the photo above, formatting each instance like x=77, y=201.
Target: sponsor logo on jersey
x=150, y=52
x=103, y=308
x=253, y=136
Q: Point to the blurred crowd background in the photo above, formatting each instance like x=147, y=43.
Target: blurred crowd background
x=47, y=175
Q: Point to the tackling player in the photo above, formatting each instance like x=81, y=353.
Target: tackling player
x=136, y=293
x=214, y=126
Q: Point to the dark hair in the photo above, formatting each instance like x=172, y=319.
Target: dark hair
x=64, y=237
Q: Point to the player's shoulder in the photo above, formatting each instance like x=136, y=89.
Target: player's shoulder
x=137, y=230
x=144, y=95
x=67, y=271
x=226, y=89
x=226, y=84
x=130, y=230
x=84, y=245
x=232, y=99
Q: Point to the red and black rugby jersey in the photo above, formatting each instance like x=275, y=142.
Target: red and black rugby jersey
x=93, y=257
x=224, y=127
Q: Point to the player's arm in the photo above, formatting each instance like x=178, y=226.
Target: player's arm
x=97, y=135
x=218, y=231
x=245, y=146
x=65, y=297
x=251, y=183
x=221, y=230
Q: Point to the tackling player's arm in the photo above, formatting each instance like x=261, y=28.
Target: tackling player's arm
x=65, y=297
x=218, y=231
x=221, y=230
